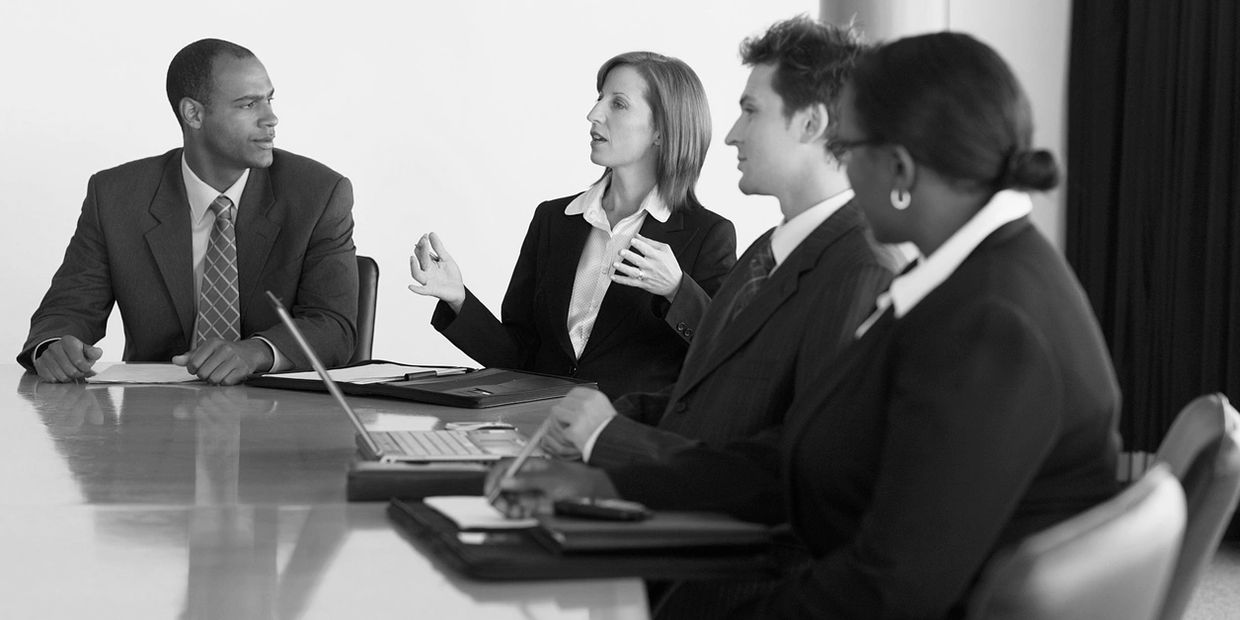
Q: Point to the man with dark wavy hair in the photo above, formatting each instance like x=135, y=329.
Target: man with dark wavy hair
x=186, y=243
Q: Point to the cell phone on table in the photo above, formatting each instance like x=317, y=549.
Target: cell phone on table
x=600, y=508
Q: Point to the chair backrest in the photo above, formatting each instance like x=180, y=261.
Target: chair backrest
x=1202, y=449
x=367, y=300
x=1113, y=561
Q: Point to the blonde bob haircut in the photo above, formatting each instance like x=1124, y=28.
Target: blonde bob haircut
x=681, y=117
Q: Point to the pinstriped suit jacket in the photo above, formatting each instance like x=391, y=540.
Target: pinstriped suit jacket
x=132, y=249
x=743, y=381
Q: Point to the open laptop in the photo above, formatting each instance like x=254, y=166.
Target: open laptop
x=436, y=446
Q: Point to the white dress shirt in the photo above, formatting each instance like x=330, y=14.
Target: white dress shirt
x=909, y=288
x=602, y=249
x=202, y=222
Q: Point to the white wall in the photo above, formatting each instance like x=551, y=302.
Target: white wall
x=457, y=118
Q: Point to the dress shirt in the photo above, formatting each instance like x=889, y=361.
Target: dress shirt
x=790, y=233
x=602, y=248
x=911, y=287
x=784, y=239
x=202, y=221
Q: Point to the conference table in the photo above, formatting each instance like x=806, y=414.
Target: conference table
x=198, y=501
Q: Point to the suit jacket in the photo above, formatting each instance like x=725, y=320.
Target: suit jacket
x=743, y=380
x=132, y=247
x=639, y=340
x=986, y=413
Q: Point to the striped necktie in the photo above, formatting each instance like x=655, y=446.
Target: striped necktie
x=759, y=267
x=219, y=309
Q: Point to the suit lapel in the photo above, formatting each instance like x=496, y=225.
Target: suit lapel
x=568, y=232
x=168, y=235
x=781, y=286
x=257, y=228
x=613, y=311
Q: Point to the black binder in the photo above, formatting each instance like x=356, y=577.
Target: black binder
x=518, y=555
x=489, y=387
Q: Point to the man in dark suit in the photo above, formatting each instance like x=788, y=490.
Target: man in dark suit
x=748, y=359
x=149, y=240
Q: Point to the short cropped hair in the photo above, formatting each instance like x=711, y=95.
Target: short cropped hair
x=681, y=116
x=957, y=107
x=812, y=62
x=189, y=73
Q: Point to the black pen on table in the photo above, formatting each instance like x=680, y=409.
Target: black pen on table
x=526, y=451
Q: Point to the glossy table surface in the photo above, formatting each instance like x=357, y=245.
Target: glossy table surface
x=192, y=501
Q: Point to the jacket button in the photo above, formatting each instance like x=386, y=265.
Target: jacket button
x=689, y=332
x=680, y=327
x=572, y=371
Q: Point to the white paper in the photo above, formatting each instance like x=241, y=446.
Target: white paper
x=143, y=373
x=369, y=373
x=474, y=512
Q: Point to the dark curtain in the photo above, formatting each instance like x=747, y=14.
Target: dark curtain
x=1153, y=197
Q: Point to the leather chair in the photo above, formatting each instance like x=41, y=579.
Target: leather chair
x=1202, y=449
x=367, y=300
x=1111, y=562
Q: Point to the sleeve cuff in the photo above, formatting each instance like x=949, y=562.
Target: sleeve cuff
x=279, y=363
x=587, y=449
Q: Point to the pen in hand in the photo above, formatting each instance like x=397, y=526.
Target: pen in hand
x=526, y=451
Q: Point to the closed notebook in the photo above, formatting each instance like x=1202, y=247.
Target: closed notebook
x=663, y=530
x=518, y=555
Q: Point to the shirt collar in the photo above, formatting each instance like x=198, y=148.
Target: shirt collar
x=590, y=204
x=911, y=287
x=790, y=233
x=201, y=195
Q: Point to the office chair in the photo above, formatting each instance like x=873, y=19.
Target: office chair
x=367, y=300
x=1111, y=562
x=1202, y=449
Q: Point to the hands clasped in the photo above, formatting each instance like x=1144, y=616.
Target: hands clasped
x=436, y=272
x=655, y=269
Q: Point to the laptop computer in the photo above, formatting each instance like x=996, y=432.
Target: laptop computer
x=434, y=446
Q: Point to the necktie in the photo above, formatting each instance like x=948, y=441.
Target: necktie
x=759, y=267
x=219, y=311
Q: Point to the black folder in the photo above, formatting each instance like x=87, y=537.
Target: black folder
x=488, y=387
x=519, y=555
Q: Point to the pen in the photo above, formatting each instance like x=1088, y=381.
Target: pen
x=526, y=451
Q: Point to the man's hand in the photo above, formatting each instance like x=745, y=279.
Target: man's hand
x=576, y=416
x=67, y=359
x=221, y=362
x=540, y=482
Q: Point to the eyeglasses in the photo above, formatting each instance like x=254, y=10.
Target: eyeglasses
x=842, y=149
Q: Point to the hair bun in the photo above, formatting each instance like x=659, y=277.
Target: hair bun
x=1030, y=170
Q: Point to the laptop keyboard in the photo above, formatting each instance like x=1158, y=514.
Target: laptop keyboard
x=428, y=443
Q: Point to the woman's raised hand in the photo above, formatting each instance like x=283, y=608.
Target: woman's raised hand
x=436, y=273
x=653, y=267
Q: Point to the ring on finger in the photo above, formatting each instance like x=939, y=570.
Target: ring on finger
x=641, y=275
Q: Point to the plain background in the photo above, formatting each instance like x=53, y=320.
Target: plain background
x=455, y=117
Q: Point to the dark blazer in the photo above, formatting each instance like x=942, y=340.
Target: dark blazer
x=986, y=413
x=132, y=248
x=743, y=381
x=638, y=341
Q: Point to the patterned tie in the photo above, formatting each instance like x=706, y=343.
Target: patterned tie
x=219, y=314
x=759, y=267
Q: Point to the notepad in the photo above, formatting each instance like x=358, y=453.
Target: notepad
x=475, y=513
